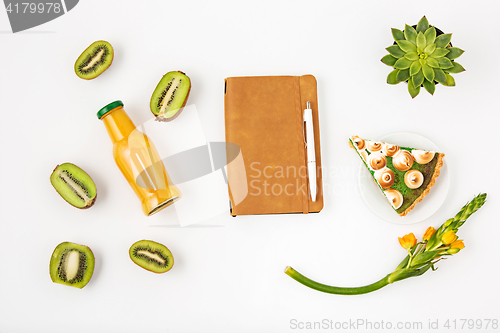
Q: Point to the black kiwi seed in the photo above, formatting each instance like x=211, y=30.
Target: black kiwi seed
x=76, y=181
x=82, y=266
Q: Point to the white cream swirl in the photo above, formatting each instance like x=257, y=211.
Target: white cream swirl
x=422, y=156
x=373, y=146
x=389, y=150
x=385, y=177
x=395, y=198
x=360, y=143
x=414, y=179
x=377, y=161
x=403, y=160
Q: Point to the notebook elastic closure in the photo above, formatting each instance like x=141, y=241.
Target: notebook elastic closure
x=301, y=146
x=308, y=92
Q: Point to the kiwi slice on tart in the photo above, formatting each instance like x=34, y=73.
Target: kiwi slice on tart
x=72, y=265
x=74, y=185
x=170, y=96
x=94, y=60
x=151, y=256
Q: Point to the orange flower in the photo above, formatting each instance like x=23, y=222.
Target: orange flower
x=458, y=244
x=428, y=233
x=449, y=237
x=408, y=241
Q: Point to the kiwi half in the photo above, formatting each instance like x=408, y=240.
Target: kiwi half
x=94, y=60
x=74, y=185
x=152, y=256
x=72, y=265
x=170, y=96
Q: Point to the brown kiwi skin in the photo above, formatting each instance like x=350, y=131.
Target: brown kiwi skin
x=91, y=203
x=181, y=108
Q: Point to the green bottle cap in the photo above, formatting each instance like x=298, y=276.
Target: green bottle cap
x=108, y=108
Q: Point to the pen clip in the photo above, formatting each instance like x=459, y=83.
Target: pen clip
x=304, y=132
x=308, y=106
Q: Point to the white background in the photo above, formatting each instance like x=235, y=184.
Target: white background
x=228, y=273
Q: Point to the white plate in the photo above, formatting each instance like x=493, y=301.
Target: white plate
x=378, y=203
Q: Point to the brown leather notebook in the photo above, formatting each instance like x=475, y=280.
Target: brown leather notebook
x=264, y=118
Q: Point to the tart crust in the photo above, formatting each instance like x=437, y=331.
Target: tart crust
x=437, y=169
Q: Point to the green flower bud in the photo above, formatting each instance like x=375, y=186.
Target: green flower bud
x=453, y=250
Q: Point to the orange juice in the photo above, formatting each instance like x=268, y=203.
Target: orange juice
x=137, y=158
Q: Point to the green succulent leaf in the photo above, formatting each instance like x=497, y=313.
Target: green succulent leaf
x=457, y=68
x=421, y=41
x=430, y=49
x=432, y=62
x=428, y=72
x=430, y=86
x=395, y=51
x=430, y=35
x=389, y=60
x=397, y=34
x=410, y=34
x=415, y=67
x=450, y=80
x=422, y=61
x=412, y=56
x=406, y=46
x=403, y=75
x=444, y=63
x=443, y=40
x=412, y=89
x=402, y=63
x=418, y=79
x=439, y=52
x=391, y=78
x=423, y=25
x=454, y=53
x=440, y=76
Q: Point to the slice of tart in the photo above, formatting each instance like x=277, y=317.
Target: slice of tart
x=405, y=175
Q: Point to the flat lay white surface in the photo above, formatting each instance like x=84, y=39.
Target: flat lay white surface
x=375, y=199
x=228, y=272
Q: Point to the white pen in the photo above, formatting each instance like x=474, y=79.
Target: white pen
x=311, y=153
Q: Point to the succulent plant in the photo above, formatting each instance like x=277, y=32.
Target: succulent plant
x=422, y=57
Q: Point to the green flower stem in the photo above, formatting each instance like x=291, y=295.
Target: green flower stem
x=421, y=257
x=410, y=259
x=335, y=290
x=419, y=247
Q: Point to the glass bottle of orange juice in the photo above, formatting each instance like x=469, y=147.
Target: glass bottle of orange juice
x=138, y=160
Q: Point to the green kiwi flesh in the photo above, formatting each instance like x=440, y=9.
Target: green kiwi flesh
x=170, y=96
x=72, y=265
x=74, y=185
x=94, y=60
x=152, y=256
